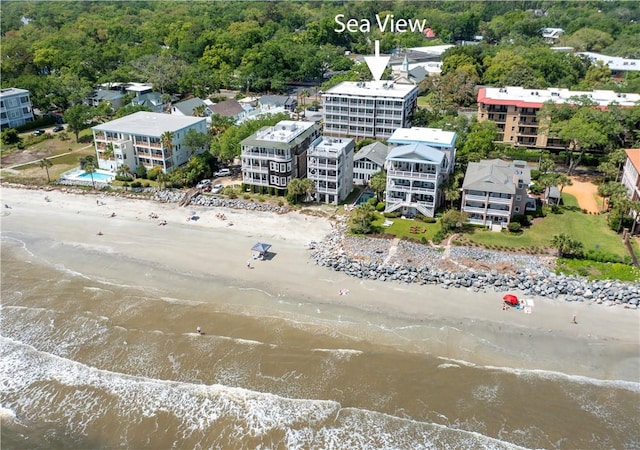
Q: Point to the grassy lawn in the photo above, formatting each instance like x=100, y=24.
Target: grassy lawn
x=62, y=151
x=422, y=102
x=401, y=228
x=590, y=229
x=594, y=270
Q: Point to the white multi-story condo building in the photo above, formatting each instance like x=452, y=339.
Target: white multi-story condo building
x=137, y=140
x=494, y=191
x=372, y=109
x=515, y=111
x=414, y=174
x=437, y=138
x=273, y=156
x=631, y=173
x=15, y=108
x=330, y=166
x=368, y=161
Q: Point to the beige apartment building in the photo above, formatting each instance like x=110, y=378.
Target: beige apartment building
x=515, y=109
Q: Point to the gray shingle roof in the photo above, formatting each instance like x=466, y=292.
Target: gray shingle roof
x=186, y=107
x=376, y=153
x=227, y=108
x=490, y=176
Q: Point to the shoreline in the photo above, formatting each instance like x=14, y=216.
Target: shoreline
x=603, y=344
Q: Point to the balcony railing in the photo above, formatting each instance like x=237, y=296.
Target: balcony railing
x=265, y=156
x=255, y=169
x=391, y=173
x=505, y=201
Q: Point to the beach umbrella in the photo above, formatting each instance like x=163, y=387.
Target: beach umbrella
x=261, y=248
x=510, y=299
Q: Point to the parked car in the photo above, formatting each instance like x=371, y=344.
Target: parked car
x=217, y=188
x=203, y=184
x=222, y=173
x=38, y=132
x=58, y=128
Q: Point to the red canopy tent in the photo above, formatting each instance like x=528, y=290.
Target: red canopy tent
x=510, y=299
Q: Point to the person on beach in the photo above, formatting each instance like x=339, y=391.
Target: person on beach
x=249, y=266
x=573, y=320
x=198, y=330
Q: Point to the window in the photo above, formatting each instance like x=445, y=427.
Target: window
x=517, y=209
x=518, y=198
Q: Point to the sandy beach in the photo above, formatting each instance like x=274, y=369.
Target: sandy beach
x=603, y=344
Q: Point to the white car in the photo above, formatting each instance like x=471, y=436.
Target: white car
x=217, y=188
x=222, y=173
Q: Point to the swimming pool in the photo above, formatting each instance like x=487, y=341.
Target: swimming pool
x=98, y=176
x=366, y=195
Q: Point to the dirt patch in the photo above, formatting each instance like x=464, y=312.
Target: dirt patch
x=585, y=192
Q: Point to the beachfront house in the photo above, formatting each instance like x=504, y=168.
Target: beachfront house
x=137, y=140
x=273, y=156
x=15, y=107
x=414, y=174
x=330, y=167
x=437, y=138
x=515, y=111
x=494, y=191
x=368, y=161
x=372, y=109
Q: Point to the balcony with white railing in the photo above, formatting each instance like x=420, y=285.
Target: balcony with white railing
x=498, y=212
x=476, y=198
x=500, y=200
x=411, y=175
x=473, y=209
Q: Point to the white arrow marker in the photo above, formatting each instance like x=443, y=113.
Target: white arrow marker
x=377, y=63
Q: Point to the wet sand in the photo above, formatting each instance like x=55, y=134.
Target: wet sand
x=603, y=344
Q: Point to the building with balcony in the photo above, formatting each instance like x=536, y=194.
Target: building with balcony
x=372, y=109
x=437, y=138
x=515, y=109
x=273, y=156
x=494, y=191
x=136, y=140
x=330, y=167
x=368, y=161
x=414, y=175
x=631, y=173
x=15, y=108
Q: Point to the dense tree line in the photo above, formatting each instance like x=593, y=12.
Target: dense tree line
x=60, y=50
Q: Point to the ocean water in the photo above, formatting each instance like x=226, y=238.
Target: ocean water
x=109, y=358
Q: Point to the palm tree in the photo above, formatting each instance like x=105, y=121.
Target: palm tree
x=162, y=179
x=45, y=164
x=167, y=140
x=198, y=111
x=123, y=169
x=90, y=168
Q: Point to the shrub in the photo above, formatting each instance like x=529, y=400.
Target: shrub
x=280, y=203
x=246, y=196
x=439, y=236
x=380, y=207
x=124, y=178
x=141, y=172
x=261, y=199
x=146, y=184
x=424, y=240
x=430, y=220
x=520, y=220
x=136, y=184
x=514, y=227
x=420, y=217
x=392, y=214
x=153, y=173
